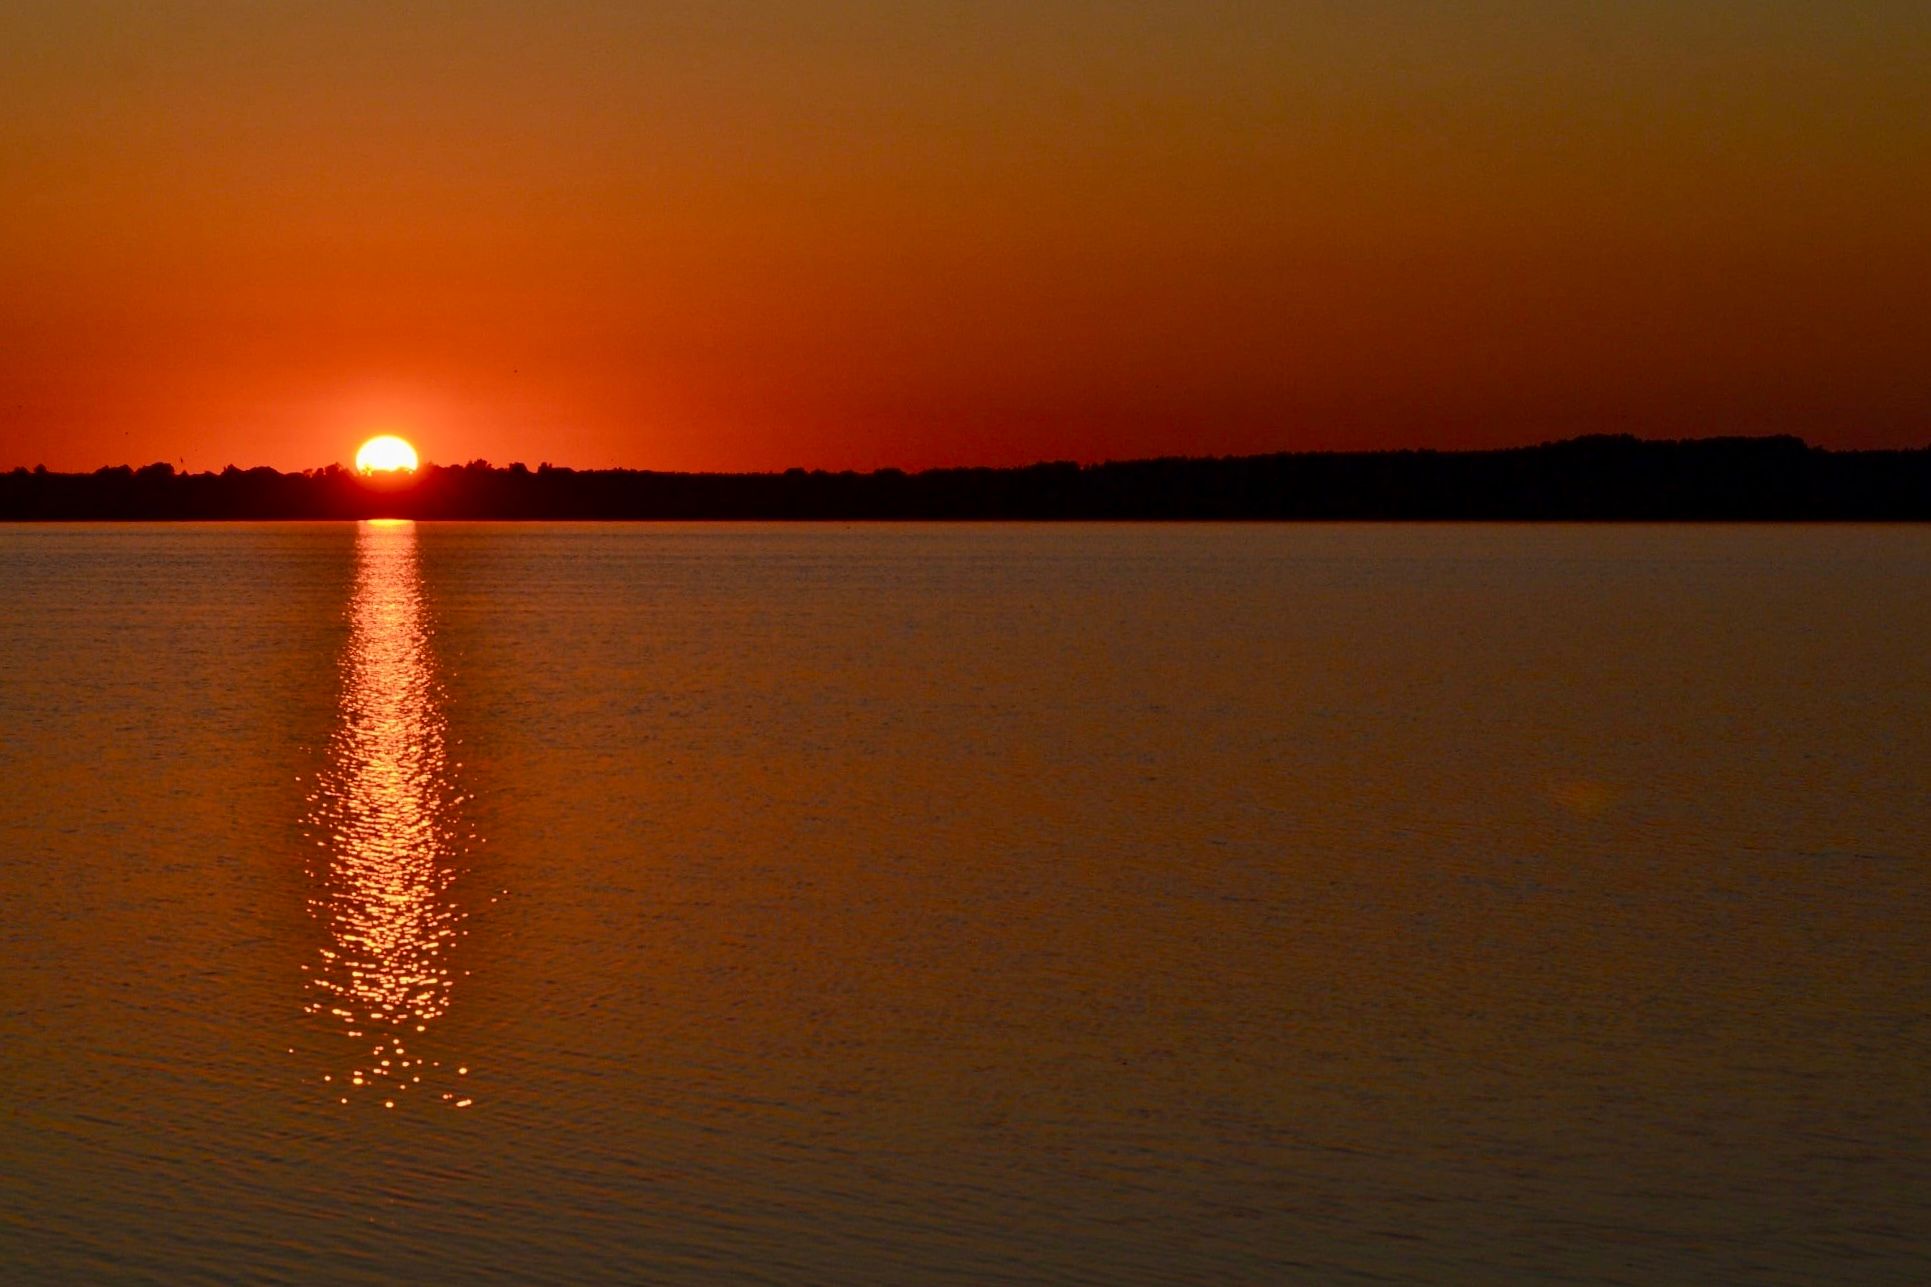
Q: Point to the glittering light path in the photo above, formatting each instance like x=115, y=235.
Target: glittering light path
x=385, y=814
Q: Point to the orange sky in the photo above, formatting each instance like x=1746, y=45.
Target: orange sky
x=845, y=234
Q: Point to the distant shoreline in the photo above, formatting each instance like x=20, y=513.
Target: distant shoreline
x=1594, y=479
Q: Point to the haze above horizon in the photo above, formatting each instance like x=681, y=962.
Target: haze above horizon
x=927, y=234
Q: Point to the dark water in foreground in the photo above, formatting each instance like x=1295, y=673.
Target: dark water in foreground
x=875, y=904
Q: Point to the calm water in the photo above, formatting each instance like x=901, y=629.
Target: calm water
x=891, y=904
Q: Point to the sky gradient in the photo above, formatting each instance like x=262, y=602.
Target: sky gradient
x=749, y=236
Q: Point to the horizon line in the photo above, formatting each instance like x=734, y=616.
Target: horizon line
x=1786, y=440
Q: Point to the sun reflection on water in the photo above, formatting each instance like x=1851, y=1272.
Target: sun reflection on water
x=386, y=812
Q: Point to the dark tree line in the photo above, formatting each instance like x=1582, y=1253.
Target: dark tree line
x=1776, y=478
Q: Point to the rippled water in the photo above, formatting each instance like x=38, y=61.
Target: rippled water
x=970, y=903
x=386, y=822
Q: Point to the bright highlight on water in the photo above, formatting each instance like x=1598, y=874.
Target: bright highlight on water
x=389, y=835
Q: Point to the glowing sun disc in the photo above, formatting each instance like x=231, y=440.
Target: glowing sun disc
x=385, y=453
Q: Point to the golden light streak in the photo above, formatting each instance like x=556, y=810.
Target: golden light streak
x=385, y=811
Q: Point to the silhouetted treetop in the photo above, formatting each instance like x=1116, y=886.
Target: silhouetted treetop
x=1600, y=477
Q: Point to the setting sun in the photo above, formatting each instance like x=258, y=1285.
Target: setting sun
x=385, y=454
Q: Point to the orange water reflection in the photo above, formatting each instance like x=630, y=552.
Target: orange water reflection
x=387, y=814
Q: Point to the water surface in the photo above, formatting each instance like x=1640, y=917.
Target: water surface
x=1071, y=903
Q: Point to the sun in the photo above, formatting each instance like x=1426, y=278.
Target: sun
x=385, y=454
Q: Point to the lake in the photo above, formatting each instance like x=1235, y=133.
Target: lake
x=1039, y=903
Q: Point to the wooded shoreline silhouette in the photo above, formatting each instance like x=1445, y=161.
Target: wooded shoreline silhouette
x=1593, y=478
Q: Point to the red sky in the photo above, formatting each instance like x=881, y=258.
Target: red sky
x=699, y=235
